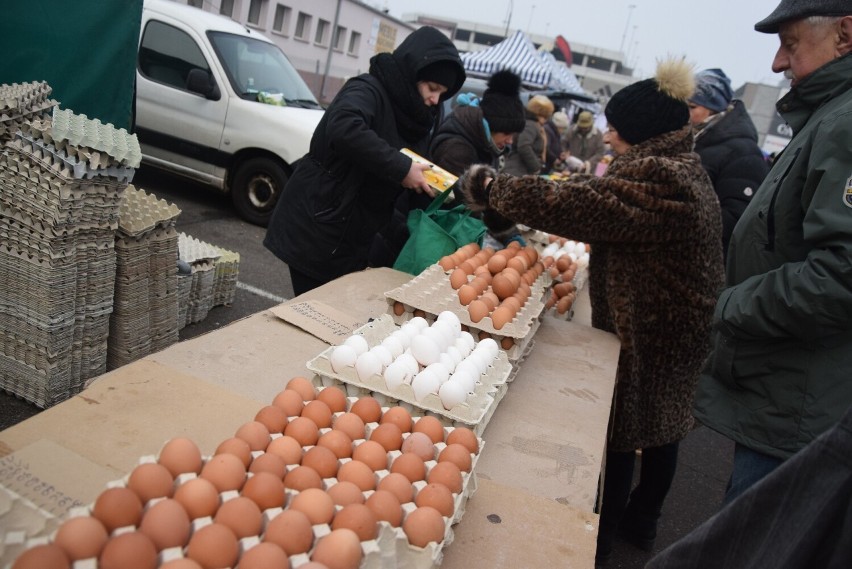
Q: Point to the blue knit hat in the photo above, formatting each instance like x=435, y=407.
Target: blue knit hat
x=712, y=90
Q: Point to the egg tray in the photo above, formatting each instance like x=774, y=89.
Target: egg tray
x=474, y=413
x=431, y=292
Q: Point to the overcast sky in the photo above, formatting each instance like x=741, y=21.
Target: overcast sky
x=716, y=33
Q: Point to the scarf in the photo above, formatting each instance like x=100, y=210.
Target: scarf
x=413, y=118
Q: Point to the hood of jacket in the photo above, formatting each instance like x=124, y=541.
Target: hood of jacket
x=465, y=123
x=735, y=124
x=425, y=46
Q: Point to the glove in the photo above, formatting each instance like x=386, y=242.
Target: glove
x=574, y=164
x=471, y=186
x=517, y=238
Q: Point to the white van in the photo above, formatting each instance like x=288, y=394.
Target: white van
x=221, y=104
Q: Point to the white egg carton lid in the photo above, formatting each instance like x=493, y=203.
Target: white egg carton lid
x=473, y=413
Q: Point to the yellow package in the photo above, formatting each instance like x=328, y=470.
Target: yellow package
x=436, y=177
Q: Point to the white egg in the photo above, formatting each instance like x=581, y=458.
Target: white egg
x=402, y=337
x=440, y=370
x=550, y=250
x=393, y=344
x=420, y=322
x=396, y=374
x=579, y=249
x=425, y=350
x=409, y=362
x=342, y=357
x=462, y=346
x=489, y=344
x=467, y=366
x=572, y=256
x=452, y=394
x=466, y=378
x=449, y=361
x=558, y=254
x=424, y=383
x=367, y=365
x=569, y=245
x=455, y=354
x=358, y=342
x=480, y=358
x=437, y=336
x=583, y=261
x=450, y=317
x=384, y=354
x=447, y=330
x=409, y=331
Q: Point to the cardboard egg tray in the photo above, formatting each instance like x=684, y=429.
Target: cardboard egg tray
x=474, y=413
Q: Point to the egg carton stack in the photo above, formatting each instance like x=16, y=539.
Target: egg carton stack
x=435, y=368
x=61, y=183
x=570, y=264
x=212, y=281
x=20, y=103
x=227, y=272
x=145, y=314
x=282, y=491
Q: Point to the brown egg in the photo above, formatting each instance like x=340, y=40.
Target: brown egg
x=399, y=416
x=496, y=263
x=242, y=515
x=561, y=289
x=398, y=308
x=448, y=474
x=334, y=397
x=437, y=496
x=225, y=471
x=409, y=465
x=360, y=519
x=47, y=556
x=480, y=284
x=513, y=303
x=337, y=442
x=81, y=537
x=132, y=549
x=564, y=304
x=344, y=493
x=423, y=526
x=464, y=436
x=447, y=262
x=291, y=531
x=288, y=448
x=117, y=507
x=457, y=454
x=264, y=556
x=563, y=263
x=419, y=312
x=501, y=316
x=386, y=506
x=420, y=444
x=318, y=412
x=290, y=401
x=269, y=462
x=399, y=486
x=490, y=299
x=237, y=447
x=351, y=424
x=266, y=490
x=507, y=343
x=431, y=426
x=198, y=497
x=519, y=263
x=314, y=503
x=367, y=408
x=321, y=459
x=166, y=524
x=305, y=388
x=359, y=474
x=477, y=310
x=503, y=286
x=458, y=278
x=302, y=478
x=180, y=455
x=372, y=454
x=181, y=563
x=468, y=266
x=214, y=546
x=340, y=549
x=388, y=435
x=151, y=480
x=303, y=430
x=255, y=434
x=274, y=418
x=467, y=294
x=483, y=334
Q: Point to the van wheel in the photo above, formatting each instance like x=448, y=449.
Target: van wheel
x=258, y=183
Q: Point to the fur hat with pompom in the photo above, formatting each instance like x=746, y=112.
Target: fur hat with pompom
x=654, y=106
x=500, y=104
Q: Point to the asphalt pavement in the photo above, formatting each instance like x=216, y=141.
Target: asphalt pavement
x=705, y=457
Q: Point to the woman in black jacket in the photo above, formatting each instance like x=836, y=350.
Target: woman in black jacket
x=343, y=191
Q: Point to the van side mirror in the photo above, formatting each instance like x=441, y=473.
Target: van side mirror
x=201, y=82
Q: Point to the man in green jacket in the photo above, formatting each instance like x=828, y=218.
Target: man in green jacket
x=781, y=369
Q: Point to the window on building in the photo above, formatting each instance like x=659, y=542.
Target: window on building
x=321, y=35
x=461, y=35
x=354, y=43
x=195, y=3
x=281, y=23
x=339, y=38
x=303, y=26
x=255, y=7
x=226, y=8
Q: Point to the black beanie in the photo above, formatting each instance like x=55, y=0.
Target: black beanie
x=651, y=107
x=501, y=105
x=444, y=72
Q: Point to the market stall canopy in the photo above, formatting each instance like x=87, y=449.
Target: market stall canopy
x=516, y=53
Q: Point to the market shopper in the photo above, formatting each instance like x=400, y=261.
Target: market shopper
x=726, y=140
x=528, y=154
x=782, y=332
x=480, y=132
x=584, y=145
x=343, y=191
x=654, y=225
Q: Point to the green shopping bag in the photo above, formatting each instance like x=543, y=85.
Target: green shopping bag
x=435, y=232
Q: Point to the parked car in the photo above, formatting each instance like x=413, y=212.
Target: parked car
x=221, y=104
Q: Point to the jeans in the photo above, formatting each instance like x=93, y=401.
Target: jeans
x=750, y=466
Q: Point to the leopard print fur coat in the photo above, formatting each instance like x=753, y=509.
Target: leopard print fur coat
x=655, y=228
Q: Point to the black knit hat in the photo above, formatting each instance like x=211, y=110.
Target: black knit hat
x=501, y=104
x=443, y=72
x=651, y=107
x=789, y=10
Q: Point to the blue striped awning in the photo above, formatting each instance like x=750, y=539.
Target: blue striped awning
x=517, y=54
x=562, y=78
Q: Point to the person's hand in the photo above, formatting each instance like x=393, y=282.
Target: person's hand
x=472, y=186
x=574, y=164
x=414, y=180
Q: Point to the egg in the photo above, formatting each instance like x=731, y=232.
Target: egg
x=367, y=365
x=501, y=316
x=166, y=524
x=465, y=437
x=269, y=462
x=266, y=490
x=437, y=496
x=181, y=563
x=319, y=413
x=458, y=278
x=383, y=353
x=338, y=442
x=399, y=416
x=263, y=556
x=449, y=359
x=321, y=459
x=402, y=337
x=430, y=426
x=304, y=430
x=448, y=474
x=237, y=447
x=396, y=374
x=410, y=362
x=359, y=474
x=393, y=345
x=491, y=345
x=242, y=515
x=304, y=386
x=439, y=370
x=477, y=310
x=314, y=503
x=214, y=546
x=388, y=435
x=386, y=506
x=290, y=402
x=358, y=518
x=371, y=453
x=334, y=397
x=454, y=392
x=425, y=350
x=82, y=537
x=46, y=556
x=342, y=357
x=131, y=549
x=398, y=485
x=340, y=549
x=198, y=497
x=291, y=531
x=367, y=408
x=424, y=383
x=287, y=448
x=351, y=424
x=424, y=526
x=274, y=418
x=180, y=455
x=457, y=454
x=302, y=478
x=255, y=434
x=225, y=471
x=345, y=492
x=358, y=343
x=419, y=444
x=467, y=294
x=410, y=465
x=117, y=507
x=151, y=480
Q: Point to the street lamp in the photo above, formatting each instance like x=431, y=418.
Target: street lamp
x=626, y=27
x=509, y=18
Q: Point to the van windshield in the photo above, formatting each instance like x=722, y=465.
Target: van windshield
x=259, y=70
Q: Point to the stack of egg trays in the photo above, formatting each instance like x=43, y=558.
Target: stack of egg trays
x=22, y=102
x=474, y=413
x=430, y=292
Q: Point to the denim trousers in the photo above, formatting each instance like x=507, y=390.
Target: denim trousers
x=750, y=466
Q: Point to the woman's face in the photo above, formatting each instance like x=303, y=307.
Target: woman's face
x=698, y=114
x=619, y=145
x=502, y=139
x=431, y=92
